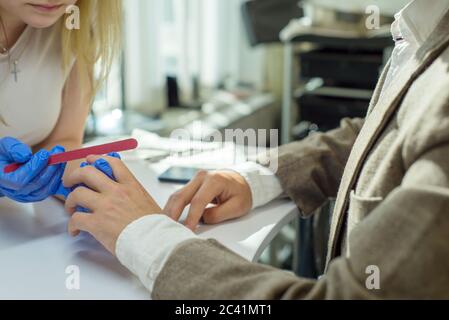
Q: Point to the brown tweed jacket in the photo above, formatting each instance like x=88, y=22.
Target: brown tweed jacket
x=390, y=173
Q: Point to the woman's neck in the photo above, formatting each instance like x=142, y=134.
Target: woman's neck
x=13, y=29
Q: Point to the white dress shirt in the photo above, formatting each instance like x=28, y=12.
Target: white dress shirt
x=145, y=245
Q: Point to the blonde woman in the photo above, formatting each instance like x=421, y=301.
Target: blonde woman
x=47, y=85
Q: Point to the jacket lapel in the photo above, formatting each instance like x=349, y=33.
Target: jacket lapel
x=381, y=111
x=379, y=87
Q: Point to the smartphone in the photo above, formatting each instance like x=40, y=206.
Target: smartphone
x=179, y=175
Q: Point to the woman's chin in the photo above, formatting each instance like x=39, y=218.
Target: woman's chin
x=41, y=22
x=37, y=19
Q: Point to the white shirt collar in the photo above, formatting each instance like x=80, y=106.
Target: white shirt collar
x=419, y=19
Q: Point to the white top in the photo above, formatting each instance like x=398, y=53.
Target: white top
x=145, y=245
x=31, y=106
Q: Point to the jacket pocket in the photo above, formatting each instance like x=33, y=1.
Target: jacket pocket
x=359, y=208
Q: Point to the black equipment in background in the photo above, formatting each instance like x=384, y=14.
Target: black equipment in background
x=348, y=70
x=172, y=92
x=338, y=77
x=264, y=19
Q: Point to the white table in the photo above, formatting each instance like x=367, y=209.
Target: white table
x=35, y=249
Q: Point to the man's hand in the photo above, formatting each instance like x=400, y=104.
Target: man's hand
x=227, y=190
x=114, y=204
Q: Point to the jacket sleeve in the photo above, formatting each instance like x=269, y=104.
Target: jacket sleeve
x=403, y=244
x=404, y=239
x=310, y=170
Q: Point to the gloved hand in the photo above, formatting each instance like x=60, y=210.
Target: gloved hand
x=35, y=180
x=101, y=165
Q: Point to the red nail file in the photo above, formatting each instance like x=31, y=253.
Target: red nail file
x=118, y=146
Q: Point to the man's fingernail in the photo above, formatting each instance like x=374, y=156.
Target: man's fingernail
x=90, y=158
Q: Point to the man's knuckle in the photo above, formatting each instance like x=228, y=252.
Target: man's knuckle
x=213, y=220
x=106, y=205
x=177, y=197
x=173, y=197
x=208, y=219
x=196, y=201
x=125, y=193
x=78, y=193
x=113, y=160
x=71, y=226
x=76, y=172
x=213, y=178
x=76, y=220
x=117, y=190
x=86, y=172
x=75, y=194
x=94, y=223
x=68, y=205
x=201, y=174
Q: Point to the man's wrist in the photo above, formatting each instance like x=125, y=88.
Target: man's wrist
x=146, y=243
x=263, y=183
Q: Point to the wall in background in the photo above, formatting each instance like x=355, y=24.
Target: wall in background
x=190, y=39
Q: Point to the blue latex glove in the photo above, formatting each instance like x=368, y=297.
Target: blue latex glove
x=104, y=166
x=101, y=165
x=34, y=181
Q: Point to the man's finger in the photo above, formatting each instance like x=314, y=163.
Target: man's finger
x=180, y=199
x=104, y=166
x=91, y=177
x=205, y=195
x=80, y=222
x=227, y=211
x=121, y=172
x=81, y=197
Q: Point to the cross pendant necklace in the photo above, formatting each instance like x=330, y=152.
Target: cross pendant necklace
x=15, y=71
x=14, y=63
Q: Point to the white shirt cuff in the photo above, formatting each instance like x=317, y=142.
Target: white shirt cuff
x=265, y=186
x=146, y=244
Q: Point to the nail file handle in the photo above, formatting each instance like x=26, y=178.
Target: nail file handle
x=118, y=146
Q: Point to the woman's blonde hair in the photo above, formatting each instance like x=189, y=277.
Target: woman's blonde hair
x=96, y=42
